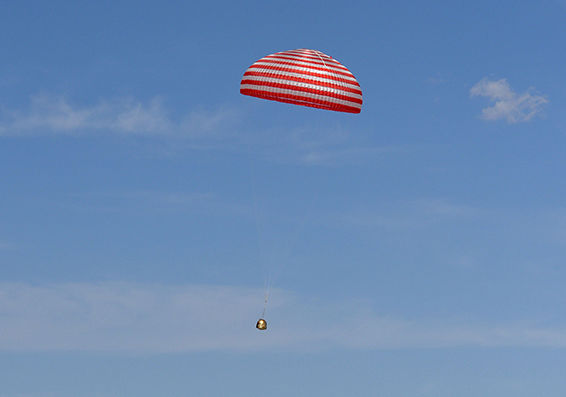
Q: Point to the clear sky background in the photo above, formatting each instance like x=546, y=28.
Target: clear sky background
x=415, y=249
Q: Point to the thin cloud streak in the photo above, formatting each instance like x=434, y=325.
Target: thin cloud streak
x=223, y=129
x=146, y=198
x=142, y=318
x=506, y=103
x=326, y=146
x=55, y=115
x=350, y=155
x=145, y=201
x=4, y=246
x=409, y=215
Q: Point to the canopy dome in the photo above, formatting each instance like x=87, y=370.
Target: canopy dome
x=303, y=77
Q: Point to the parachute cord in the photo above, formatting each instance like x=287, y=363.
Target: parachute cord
x=317, y=54
x=259, y=232
x=265, y=303
x=267, y=293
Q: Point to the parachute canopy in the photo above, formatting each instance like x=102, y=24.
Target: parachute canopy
x=303, y=77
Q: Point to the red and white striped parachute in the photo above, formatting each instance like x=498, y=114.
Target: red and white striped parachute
x=304, y=77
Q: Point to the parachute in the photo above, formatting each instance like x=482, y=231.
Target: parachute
x=303, y=77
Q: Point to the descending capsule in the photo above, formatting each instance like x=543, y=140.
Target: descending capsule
x=303, y=77
x=261, y=324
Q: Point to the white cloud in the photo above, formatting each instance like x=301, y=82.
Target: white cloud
x=139, y=201
x=414, y=214
x=436, y=80
x=155, y=319
x=439, y=207
x=314, y=144
x=56, y=115
x=507, y=104
x=349, y=155
x=328, y=145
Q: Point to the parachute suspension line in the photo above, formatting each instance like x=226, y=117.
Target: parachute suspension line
x=259, y=233
x=265, y=303
x=318, y=55
x=267, y=291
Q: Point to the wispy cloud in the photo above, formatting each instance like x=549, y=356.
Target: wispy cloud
x=436, y=80
x=49, y=114
x=413, y=214
x=443, y=207
x=139, y=201
x=349, y=155
x=224, y=129
x=328, y=146
x=4, y=245
x=157, y=318
x=506, y=103
x=145, y=198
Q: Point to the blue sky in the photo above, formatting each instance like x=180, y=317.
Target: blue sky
x=415, y=249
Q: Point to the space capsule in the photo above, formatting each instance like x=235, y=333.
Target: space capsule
x=261, y=324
